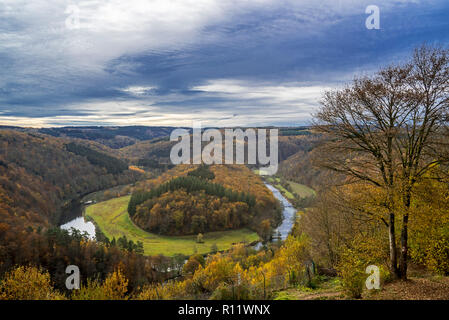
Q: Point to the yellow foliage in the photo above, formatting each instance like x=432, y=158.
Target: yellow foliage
x=168, y=291
x=114, y=287
x=28, y=283
x=134, y=168
x=363, y=251
x=352, y=272
x=92, y=291
x=429, y=226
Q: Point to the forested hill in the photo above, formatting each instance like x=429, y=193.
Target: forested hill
x=150, y=146
x=114, y=137
x=292, y=141
x=39, y=174
x=192, y=199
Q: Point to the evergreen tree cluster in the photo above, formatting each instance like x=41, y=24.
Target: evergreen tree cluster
x=202, y=172
x=128, y=245
x=112, y=165
x=154, y=164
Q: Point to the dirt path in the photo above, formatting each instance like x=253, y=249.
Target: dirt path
x=434, y=288
x=416, y=288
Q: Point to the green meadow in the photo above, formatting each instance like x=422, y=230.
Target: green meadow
x=301, y=190
x=113, y=220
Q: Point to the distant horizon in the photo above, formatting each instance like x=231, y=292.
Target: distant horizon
x=152, y=126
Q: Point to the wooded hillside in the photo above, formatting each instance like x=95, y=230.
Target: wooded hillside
x=193, y=199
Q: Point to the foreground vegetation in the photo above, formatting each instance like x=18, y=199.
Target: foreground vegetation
x=241, y=273
x=238, y=274
x=419, y=287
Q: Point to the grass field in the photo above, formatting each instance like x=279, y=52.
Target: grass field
x=112, y=218
x=284, y=191
x=301, y=190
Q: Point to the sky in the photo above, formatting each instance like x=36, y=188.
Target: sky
x=220, y=62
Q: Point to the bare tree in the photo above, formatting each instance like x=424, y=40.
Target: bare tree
x=388, y=130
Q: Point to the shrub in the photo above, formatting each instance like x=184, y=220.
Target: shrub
x=114, y=287
x=363, y=251
x=232, y=292
x=352, y=272
x=199, y=238
x=438, y=255
x=28, y=283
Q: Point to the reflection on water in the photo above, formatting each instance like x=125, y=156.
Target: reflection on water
x=72, y=217
x=81, y=225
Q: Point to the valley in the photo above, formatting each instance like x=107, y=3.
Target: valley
x=112, y=218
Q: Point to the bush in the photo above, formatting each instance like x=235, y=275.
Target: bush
x=438, y=255
x=364, y=251
x=192, y=264
x=28, y=283
x=230, y=292
x=114, y=287
x=431, y=249
x=352, y=272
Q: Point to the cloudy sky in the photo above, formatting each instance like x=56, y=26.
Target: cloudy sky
x=222, y=62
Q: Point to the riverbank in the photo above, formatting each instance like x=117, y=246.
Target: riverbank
x=288, y=215
x=113, y=220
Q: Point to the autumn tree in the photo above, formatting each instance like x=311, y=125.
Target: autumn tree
x=114, y=287
x=28, y=283
x=389, y=130
x=266, y=229
x=193, y=263
x=429, y=233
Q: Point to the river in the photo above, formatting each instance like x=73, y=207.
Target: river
x=288, y=218
x=73, y=218
x=77, y=220
x=288, y=214
x=82, y=225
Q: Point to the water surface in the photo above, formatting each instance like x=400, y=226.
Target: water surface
x=288, y=214
x=288, y=218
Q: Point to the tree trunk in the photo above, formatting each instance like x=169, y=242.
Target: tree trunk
x=404, y=248
x=393, y=253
